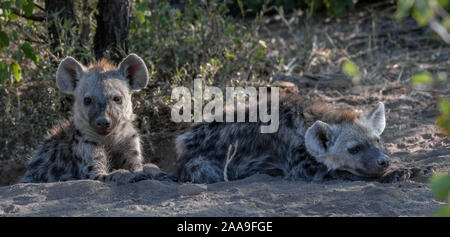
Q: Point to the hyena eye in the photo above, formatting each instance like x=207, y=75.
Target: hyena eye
x=117, y=99
x=87, y=100
x=354, y=149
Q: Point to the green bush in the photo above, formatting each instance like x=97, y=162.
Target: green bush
x=13, y=55
x=334, y=8
x=202, y=42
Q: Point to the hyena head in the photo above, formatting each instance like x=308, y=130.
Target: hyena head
x=102, y=92
x=352, y=144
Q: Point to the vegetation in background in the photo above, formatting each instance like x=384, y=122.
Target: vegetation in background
x=334, y=8
x=433, y=13
x=13, y=55
x=440, y=186
x=197, y=42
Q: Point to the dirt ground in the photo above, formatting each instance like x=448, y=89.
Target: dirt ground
x=259, y=195
x=388, y=54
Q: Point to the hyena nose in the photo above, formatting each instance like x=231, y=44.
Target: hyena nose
x=102, y=123
x=383, y=162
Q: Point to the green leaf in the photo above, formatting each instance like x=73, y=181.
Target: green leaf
x=19, y=3
x=444, y=106
x=423, y=78
x=241, y=7
x=4, y=40
x=440, y=185
x=6, y=6
x=443, y=121
x=3, y=73
x=350, y=68
x=444, y=3
x=228, y=55
x=443, y=212
x=29, y=52
x=140, y=16
x=16, y=71
x=28, y=7
x=423, y=16
x=403, y=8
x=14, y=17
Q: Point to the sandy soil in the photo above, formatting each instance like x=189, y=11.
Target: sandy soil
x=259, y=195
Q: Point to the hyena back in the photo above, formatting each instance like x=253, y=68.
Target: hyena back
x=100, y=142
x=349, y=142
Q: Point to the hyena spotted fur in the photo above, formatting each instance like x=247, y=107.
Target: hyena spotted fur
x=100, y=141
x=342, y=144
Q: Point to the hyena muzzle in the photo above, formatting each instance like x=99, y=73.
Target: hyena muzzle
x=100, y=141
x=346, y=146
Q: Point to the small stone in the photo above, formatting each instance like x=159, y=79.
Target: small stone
x=191, y=189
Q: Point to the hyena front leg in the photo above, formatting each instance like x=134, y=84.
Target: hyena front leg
x=96, y=167
x=201, y=170
x=95, y=161
x=132, y=159
x=403, y=174
x=393, y=176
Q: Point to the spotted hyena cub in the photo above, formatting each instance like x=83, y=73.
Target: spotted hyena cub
x=100, y=141
x=336, y=144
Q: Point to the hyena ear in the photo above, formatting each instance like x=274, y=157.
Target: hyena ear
x=318, y=138
x=135, y=71
x=375, y=119
x=68, y=74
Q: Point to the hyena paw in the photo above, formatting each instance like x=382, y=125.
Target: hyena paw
x=398, y=175
x=152, y=172
x=119, y=177
x=160, y=177
x=422, y=172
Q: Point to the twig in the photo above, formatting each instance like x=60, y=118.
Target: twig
x=229, y=158
x=400, y=75
x=39, y=6
x=360, y=53
x=431, y=91
x=34, y=17
x=440, y=30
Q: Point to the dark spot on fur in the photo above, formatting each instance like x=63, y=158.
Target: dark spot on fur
x=43, y=177
x=57, y=171
x=53, y=156
x=275, y=172
x=75, y=170
x=91, y=142
x=34, y=164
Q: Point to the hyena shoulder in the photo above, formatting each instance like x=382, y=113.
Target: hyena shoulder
x=55, y=159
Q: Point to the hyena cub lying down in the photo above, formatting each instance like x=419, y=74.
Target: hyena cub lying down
x=345, y=145
x=100, y=141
